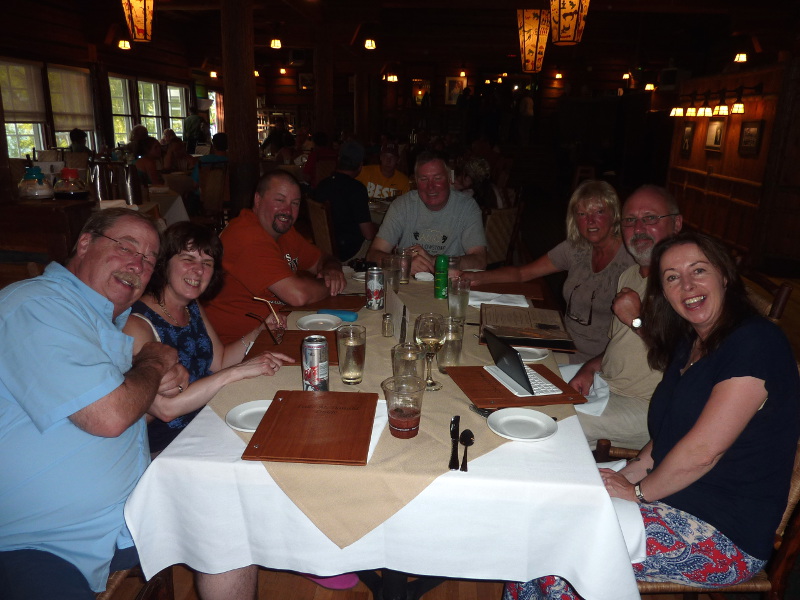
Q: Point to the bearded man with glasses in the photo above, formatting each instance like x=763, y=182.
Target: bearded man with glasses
x=649, y=216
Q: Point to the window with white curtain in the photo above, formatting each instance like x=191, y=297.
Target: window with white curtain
x=24, y=106
x=71, y=99
x=150, y=107
x=121, y=114
x=176, y=108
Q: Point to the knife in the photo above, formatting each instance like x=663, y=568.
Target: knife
x=454, y=422
x=403, y=325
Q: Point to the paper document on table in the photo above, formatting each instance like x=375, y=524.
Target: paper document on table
x=537, y=327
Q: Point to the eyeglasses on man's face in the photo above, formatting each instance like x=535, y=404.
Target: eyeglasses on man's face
x=124, y=249
x=646, y=220
x=576, y=318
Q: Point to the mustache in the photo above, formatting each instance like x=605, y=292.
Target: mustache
x=641, y=236
x=131, y=279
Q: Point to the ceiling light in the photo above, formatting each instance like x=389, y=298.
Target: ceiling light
x=568, y=20
x=691, y=111
x=213, y=74
x=737, y=108
x=124, y=45
x=676, y=112
x=283, y=71
x=369, y=44
x=487, y=82
x=740, y=57
x=704, y=111
x=256, y=73
x=139, y=18
x=462, y=74
x=721, y=110
x=649, y=87
x=275, y=43
x=559, y=76
x=533, y=25
x=626, y=75
x=392, y=78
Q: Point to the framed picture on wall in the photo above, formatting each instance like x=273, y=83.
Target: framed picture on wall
x=305, y=81
x=750, y=137
x=453, y=89
x=687, y=139
x=715, y=135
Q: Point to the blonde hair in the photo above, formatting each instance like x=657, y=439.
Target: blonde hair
x=587, y=192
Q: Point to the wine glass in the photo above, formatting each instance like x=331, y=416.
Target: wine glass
x=429, y=333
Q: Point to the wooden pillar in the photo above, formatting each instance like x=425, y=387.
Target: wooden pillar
x=361, y=106
x=238, y=64
x=103, y=119
x=323, y=89
x=8, y=188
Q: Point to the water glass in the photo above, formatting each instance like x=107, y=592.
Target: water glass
x=404, y=405
x=391, y=272
x=405, y=264
x=458, y=297
x=450, y=354
x=453, y=265
x=351, y=341
x=408, y=360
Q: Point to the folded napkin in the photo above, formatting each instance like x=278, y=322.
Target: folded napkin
x=117, y=204
x=597, y=398
x=422, y=276
x=478, y=298
x=629, y=517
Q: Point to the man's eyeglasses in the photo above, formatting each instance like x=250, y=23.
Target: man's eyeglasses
x=148, y=261
x=576, y=318
x=646, y=220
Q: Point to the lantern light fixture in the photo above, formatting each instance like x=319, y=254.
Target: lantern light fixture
x=124, y=45
x=626, y=75
x=213, y=74
x=720, y=110
x=533, y=26
x=391, y=78
x=649, y=87
x=282, y=71
x=487, y=82
x=369, y=44
x=256, y=73
x=568, y=18
x=462, y=74
x=559, y=76
x=275, y=44
x=740, y=57
x=139, y=18
x=677, y=111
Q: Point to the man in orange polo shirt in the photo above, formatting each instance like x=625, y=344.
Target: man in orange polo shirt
x=264, y=256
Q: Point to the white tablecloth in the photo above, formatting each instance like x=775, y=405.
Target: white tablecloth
x=522, y=511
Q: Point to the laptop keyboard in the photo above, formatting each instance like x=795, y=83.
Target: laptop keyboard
x=540, y=385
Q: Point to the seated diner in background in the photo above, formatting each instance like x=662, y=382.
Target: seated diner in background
x=713, y=482
x=265, y=257
x=593, y=256
x=432, y=220
x=474, y=179
x=384, y=180
x=149, y=164
x=189, y=269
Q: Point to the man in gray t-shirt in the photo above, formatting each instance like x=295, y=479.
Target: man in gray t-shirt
x=432, y=220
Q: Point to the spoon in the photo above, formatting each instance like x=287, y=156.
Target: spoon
x=467, y=438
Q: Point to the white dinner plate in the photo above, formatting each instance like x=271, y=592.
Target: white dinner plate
x=247, y=416
x=532, y=354
x=319, y=322
x=360, y=275
x=522, y=424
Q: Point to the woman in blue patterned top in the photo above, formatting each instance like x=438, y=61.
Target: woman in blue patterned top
x=190, y=269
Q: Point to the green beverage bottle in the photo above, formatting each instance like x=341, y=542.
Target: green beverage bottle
x=440, y=277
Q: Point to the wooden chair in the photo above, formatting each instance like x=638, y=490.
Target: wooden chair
x=502, y=230
x=160, y=587
x=780, y=294
x=322, y=226
x=771, y=582
x=213, y=195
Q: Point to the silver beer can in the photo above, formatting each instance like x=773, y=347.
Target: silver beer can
x=315, y=363
x=374, y=286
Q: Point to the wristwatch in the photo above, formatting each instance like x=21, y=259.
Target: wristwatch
x=637, y=490
x=636, y=324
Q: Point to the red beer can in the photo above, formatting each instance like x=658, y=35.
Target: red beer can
x=315, y=363
x=374, y=287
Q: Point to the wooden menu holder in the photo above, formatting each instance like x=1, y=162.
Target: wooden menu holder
x=315, y=427
x=292, y=345
x=484, y=391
